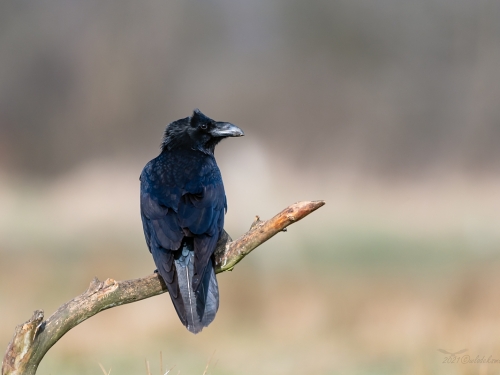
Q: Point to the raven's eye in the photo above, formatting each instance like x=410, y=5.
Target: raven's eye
x=203, y=126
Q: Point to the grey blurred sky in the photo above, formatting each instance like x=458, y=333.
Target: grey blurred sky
x=383, y=87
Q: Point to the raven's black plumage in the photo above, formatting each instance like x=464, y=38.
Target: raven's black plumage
x=182, y=208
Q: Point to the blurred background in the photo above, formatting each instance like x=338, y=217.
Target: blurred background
x=386, y=109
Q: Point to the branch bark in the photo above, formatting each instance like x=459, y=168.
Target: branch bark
x=35, y=337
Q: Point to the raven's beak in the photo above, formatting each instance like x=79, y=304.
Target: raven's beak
x=226, y=129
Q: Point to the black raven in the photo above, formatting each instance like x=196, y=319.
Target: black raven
x=182, y=209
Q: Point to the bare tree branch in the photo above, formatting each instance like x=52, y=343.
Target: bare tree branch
x=35, y=337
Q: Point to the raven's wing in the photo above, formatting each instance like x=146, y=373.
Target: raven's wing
x=161, y=228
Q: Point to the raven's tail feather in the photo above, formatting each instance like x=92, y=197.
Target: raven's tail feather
x=196, y=308
x=200, y=306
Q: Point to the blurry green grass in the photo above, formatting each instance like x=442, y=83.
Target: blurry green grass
x=362, y=248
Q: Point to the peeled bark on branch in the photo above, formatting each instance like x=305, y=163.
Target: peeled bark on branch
x=35, y=337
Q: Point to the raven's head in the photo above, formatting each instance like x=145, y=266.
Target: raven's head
x=198, y=132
